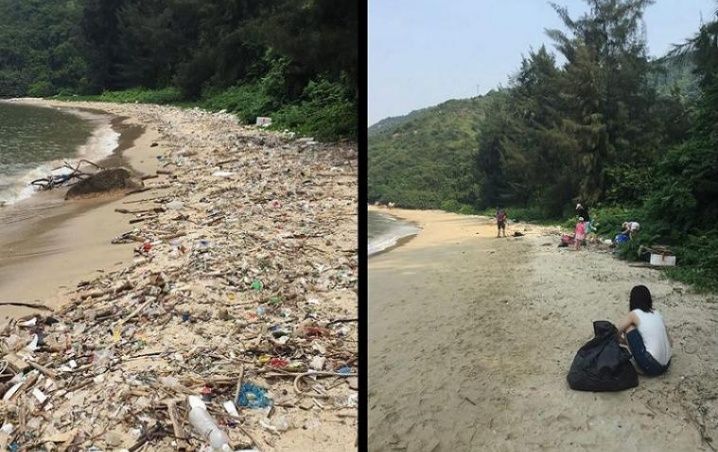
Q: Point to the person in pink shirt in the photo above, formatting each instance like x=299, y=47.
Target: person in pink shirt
x=580, y=232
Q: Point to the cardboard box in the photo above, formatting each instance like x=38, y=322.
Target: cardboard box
x=662, y=260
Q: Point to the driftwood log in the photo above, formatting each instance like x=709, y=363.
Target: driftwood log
x=85, y=182
x=65, y=180
x=106, y=180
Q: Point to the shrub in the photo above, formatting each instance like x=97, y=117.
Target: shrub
x=697, y=261
x=672, y=208
x=325, y=112
x=260, y=98
x=41, y=88
x=246, y=101
x=142, y=95
x=608, y=221
x=451, y=205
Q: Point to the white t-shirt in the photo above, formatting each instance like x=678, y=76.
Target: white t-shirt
x=655, y=337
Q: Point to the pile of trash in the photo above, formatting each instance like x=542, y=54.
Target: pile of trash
x=234, y=325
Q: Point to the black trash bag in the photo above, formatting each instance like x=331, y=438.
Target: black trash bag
x=601, y=364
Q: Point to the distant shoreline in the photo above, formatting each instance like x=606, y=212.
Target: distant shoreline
x=391, y=241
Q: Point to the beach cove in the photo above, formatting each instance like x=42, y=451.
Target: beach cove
x=471, y=338
x=255, y=260
x=50, y=245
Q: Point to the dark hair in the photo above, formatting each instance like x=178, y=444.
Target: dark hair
x=641, y=299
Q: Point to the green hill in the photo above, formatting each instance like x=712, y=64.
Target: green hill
x=424, y=159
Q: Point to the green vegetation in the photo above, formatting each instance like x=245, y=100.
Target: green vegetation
x=632, y=138
x=134, y=95
x=590, y=130
x=293, y=61
x=425, y=158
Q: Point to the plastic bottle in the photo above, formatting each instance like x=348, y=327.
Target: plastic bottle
x=204, y=423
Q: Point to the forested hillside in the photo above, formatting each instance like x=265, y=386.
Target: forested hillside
x=424, y=159
x=295, y=61
x=429, y=157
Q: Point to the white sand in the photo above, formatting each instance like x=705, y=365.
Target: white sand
x=471, y=338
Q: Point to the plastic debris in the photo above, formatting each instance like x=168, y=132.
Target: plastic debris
x=257, y=285
x=264, y=121
x=207, y=427
x=31, y=322
x=39, y=395
x=230, y=408
x=230, y=280
x=278, y=363
x=253, y=396
x=318, y=363
x=203, y=245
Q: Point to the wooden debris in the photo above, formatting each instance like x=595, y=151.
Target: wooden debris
x=232, y=293
x=61, y=180
x=27, y=305
x=17, y=364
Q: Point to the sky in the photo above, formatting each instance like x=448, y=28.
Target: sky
x=424, y=52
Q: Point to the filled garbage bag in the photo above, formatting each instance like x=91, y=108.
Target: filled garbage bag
x=601, y=364
x=620, y=239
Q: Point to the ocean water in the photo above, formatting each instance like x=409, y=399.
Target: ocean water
x=35, y=140
x=384, y=231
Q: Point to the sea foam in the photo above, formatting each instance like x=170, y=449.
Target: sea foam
x=101, y=143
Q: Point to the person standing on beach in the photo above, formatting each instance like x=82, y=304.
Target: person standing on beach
x=582, y=212
x=580, y=233
x=501, y=216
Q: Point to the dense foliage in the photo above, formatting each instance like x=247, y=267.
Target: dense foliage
x=295, y=60
x=424, y=160
x=590, y=130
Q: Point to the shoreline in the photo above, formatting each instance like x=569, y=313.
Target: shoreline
x=397, y=240
x=251, y=266
x=100, y=145
x=44, y=240
x=488, y=327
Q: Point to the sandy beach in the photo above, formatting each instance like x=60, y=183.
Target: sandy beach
x=471, y=338
x=249, y=285
x=51, y=245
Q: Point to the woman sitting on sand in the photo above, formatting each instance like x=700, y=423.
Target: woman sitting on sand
x=646, y=334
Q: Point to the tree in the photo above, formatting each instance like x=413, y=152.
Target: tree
x=607, y=89
x=686, y=187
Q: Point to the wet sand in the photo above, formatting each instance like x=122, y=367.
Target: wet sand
x=194, y=142
x=471, y=338
x=49, y=244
